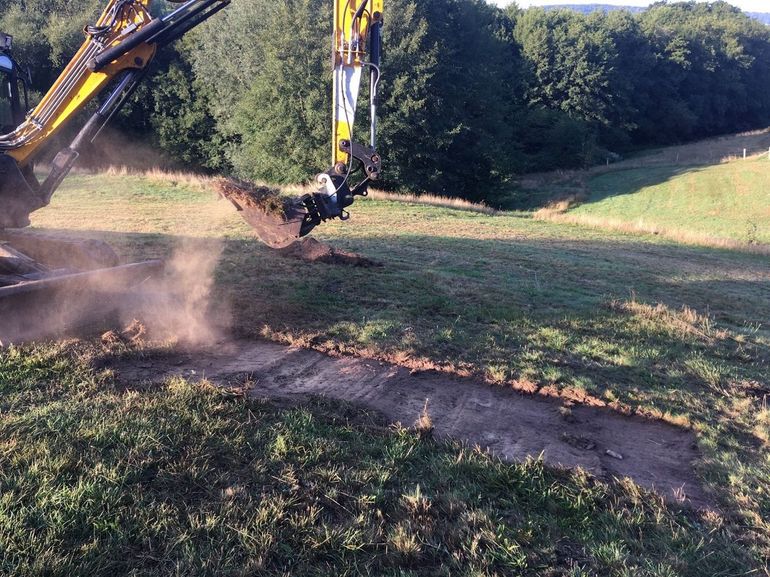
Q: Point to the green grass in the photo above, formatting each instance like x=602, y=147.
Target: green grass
x=722, y=202
x=640, y=323
x=189, y=479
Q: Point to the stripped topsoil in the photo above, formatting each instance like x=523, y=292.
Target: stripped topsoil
x=514, y=426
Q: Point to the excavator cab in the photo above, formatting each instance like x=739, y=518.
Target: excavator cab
x=13, y=88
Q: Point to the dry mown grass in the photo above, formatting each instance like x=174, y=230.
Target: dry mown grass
x=557, y=212
x=198, y=181
x=435, y=200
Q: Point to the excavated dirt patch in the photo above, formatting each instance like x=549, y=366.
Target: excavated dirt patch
x=312, y=250
x=513, y=426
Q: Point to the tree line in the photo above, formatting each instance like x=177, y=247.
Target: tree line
x=472, y=94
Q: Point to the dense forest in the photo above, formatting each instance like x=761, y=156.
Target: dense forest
x=472, y=94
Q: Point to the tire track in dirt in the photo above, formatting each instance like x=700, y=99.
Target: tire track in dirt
x=513, y=426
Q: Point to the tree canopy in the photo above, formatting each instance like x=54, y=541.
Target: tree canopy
x=471, y=94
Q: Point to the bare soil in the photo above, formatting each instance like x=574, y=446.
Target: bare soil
x=311, y=250
x=513, y=426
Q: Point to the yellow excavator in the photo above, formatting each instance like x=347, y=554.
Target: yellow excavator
x=36, y=270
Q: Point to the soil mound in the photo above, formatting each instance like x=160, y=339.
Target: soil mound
x=312, y=250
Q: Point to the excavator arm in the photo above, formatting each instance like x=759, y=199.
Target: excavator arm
x=356, y=47
x=116, y=52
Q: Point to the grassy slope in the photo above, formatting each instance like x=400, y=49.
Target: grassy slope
x=192, y=480
x=706, y=204
x=643, y=324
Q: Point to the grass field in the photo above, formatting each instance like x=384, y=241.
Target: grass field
x=723, y=204
x=640, y=324
x=192, y=480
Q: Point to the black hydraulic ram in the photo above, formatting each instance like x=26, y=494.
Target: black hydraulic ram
x=65, y=159
x=375, y=57
x=161, y=31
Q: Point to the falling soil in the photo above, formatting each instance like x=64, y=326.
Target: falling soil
x=312, y=250
x=513, y=426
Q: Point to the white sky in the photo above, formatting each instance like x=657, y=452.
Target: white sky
x=748, y=5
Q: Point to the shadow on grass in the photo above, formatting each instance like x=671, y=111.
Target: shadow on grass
x=509, y=309
x=685, y=340
x=495, y=279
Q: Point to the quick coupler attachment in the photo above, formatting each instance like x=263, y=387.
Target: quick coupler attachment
x=337, y=193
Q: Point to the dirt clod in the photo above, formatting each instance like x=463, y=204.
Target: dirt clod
x=135, y=331
x=133, y=334
x=312, y=250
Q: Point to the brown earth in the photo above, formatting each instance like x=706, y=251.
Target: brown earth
x=311, y=250
x=514, y=426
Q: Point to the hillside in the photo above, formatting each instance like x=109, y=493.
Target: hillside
x=702, y=192
x=725, y=204
x=726, y=201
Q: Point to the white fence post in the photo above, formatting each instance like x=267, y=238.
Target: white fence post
x=744, y=154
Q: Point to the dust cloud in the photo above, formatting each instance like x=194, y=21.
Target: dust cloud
x=179, y=305
x=174, y=302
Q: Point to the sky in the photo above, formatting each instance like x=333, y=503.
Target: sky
x=748, y=5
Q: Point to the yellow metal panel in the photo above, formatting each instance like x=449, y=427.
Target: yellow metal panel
x=350, y=51
x=77, y=85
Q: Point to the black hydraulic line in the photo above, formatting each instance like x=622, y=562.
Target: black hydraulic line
x=179, y=29
x=103, y=59
x=161, y=31
x=360, y=12
x=375, y=41
x=375, y=58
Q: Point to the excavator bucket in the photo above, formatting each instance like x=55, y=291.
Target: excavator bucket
x=278, y=221
x=276, y=231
